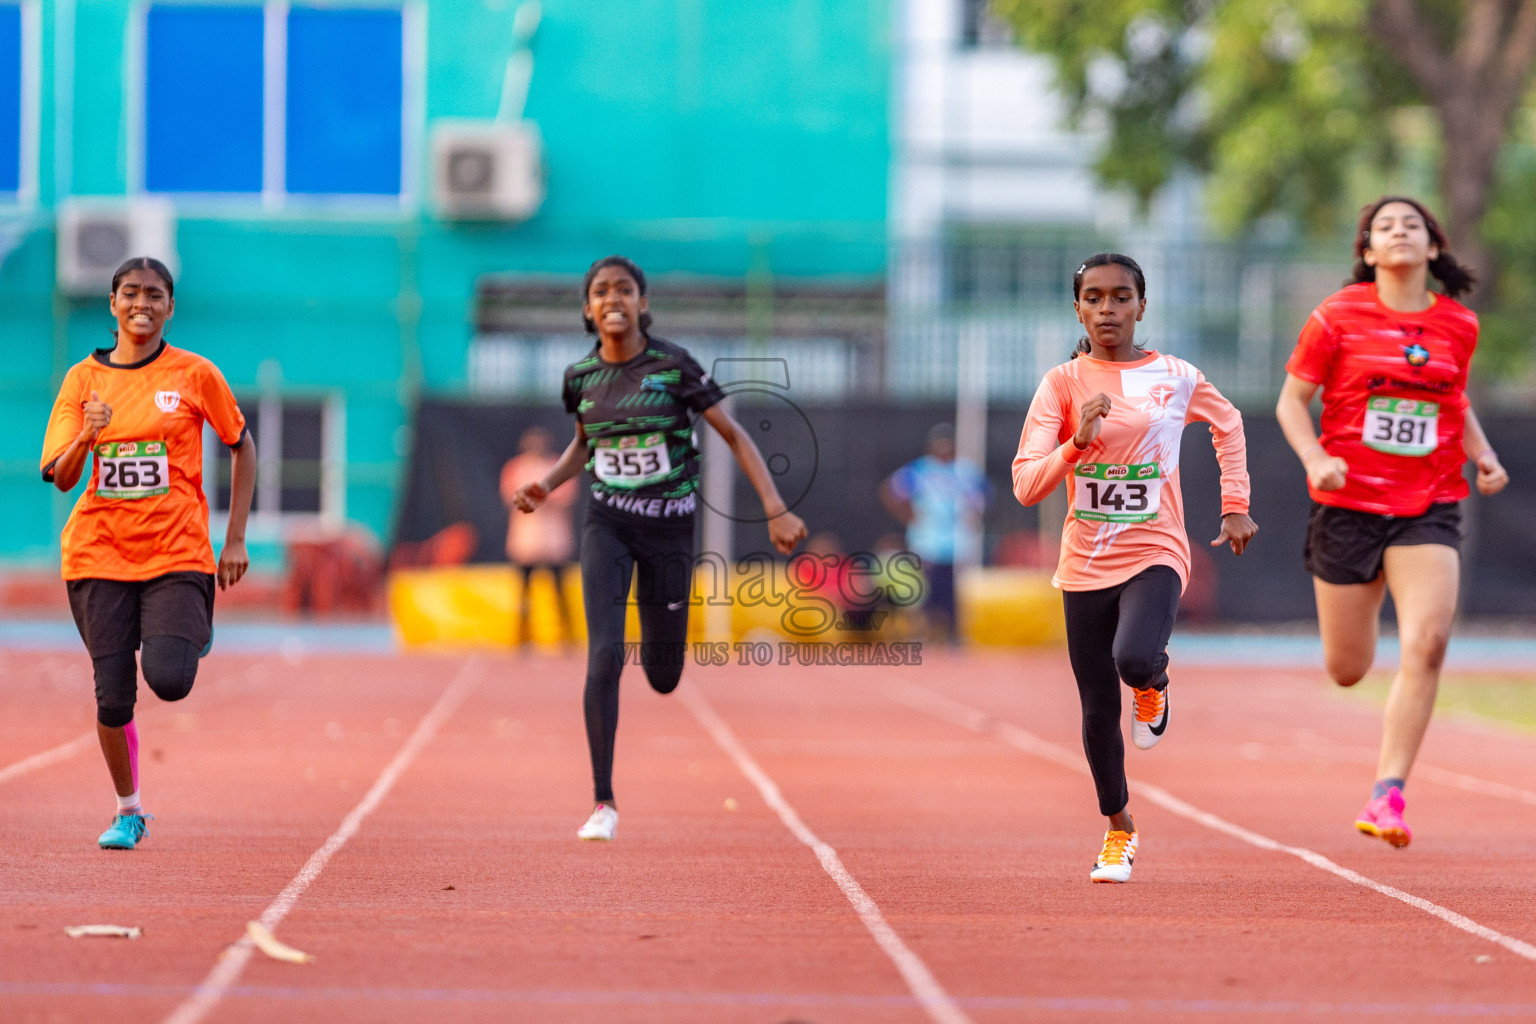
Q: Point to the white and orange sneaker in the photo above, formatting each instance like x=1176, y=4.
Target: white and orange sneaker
x=1114, y=863
x=1151, y=717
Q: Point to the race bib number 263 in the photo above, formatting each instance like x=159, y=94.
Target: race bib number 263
x=132, y=469
x=1115, y=493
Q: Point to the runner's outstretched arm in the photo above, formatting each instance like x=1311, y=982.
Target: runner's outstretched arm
x=233, y=559
x=1491, y=475
x=532, y=494
x=1324, y=471
x=785, y=528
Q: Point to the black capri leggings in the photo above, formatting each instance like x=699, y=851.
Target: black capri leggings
x=1120, y=633
x=611, y=550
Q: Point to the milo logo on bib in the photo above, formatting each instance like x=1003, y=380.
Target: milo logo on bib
x=1117, y=492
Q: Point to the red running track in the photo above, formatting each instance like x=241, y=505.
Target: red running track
x=964, y=830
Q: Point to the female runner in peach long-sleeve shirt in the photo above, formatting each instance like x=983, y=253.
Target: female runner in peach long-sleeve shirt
x=1109, y=422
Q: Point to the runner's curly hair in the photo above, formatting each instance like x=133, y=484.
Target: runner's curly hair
x=1454, y=276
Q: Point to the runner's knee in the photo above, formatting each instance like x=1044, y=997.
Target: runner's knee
x=663, y=678
x=1140, y=669
x=1426, y=647
x=1346, y=670
x=117, y=683
x=170, y=665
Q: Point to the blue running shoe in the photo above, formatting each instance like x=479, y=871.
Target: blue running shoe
x=207, y=646
x=126, y=831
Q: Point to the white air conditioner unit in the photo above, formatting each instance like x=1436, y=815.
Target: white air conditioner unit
x=487, y=170
x=97, y=235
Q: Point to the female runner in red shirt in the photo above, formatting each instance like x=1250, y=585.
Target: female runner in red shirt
x=1391, y=358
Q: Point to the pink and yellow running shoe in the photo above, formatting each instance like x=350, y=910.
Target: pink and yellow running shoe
x=1383, y=818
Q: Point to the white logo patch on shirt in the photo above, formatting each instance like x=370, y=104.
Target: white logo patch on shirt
x=167, y=401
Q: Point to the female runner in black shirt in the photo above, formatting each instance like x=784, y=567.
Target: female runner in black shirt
x=634, y=398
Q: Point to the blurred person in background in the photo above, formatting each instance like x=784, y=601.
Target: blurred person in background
x=1392, y=359
x=543, y=539
x=940, y=500
x=136, y=557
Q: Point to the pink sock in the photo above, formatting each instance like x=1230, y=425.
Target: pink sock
x=131, y=734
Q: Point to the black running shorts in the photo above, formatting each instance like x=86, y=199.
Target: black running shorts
x=1344, y=546
x=114, y=615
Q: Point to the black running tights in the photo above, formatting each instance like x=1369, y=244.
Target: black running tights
x=611, y=551
x=1120, y=633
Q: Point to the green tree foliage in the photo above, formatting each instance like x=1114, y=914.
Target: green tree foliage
x=1307, y=108
x=1283, y=102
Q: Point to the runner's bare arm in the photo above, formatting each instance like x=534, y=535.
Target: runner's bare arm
x=532, y=494
x=785, y=528
x=1324, y=471
x=95, y=415
x=1491, y=475
x=233, y=559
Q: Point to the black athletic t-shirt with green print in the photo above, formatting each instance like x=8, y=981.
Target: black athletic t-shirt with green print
x=638, y=417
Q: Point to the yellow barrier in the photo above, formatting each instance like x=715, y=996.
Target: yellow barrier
x=473, y=606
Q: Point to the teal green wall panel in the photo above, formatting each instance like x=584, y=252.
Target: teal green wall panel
x=698, y=136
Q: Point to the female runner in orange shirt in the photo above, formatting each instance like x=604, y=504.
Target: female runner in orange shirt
x=136, y=556
x=1109, y=422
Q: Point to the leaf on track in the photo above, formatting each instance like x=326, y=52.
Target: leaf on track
x=106, y=931
x=269, y=945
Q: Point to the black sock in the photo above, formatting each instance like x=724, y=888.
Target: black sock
x=1382, y=785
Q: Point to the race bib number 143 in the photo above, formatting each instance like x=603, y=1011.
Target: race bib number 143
x=132, y=469
x=1113, y=493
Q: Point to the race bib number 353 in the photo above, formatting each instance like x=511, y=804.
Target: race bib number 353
x=132, y=469
x=1113, y=493
x=636, y=460
x=1401, y=426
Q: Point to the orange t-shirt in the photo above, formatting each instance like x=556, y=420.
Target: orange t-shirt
x=143, y=513
x=544, y=536
x=1125, y=511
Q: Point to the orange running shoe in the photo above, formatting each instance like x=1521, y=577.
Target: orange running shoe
x=1114, y=863
x=1383, y=818
x=1151, y=718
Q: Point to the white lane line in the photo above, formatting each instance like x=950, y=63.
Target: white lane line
x=62, y=752
x=233, y=961
x=921, y=699
x=920, y=980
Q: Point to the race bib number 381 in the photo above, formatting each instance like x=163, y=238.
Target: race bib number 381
x=1401, y=426
x=1114, y=493
x=635, y=460
x=132, y=469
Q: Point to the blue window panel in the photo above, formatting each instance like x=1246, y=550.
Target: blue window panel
x=203, y=99
x=10, y=98
x=345, y=84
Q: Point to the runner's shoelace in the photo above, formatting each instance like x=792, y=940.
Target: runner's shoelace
x=1149, y=705
x=1114, y=848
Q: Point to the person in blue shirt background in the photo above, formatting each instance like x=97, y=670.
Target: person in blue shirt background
x=940, y=499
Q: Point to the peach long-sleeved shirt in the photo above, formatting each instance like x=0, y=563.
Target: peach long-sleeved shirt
x=1125, y=511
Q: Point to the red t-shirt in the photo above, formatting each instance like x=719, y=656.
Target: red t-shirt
x=1394, y=398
